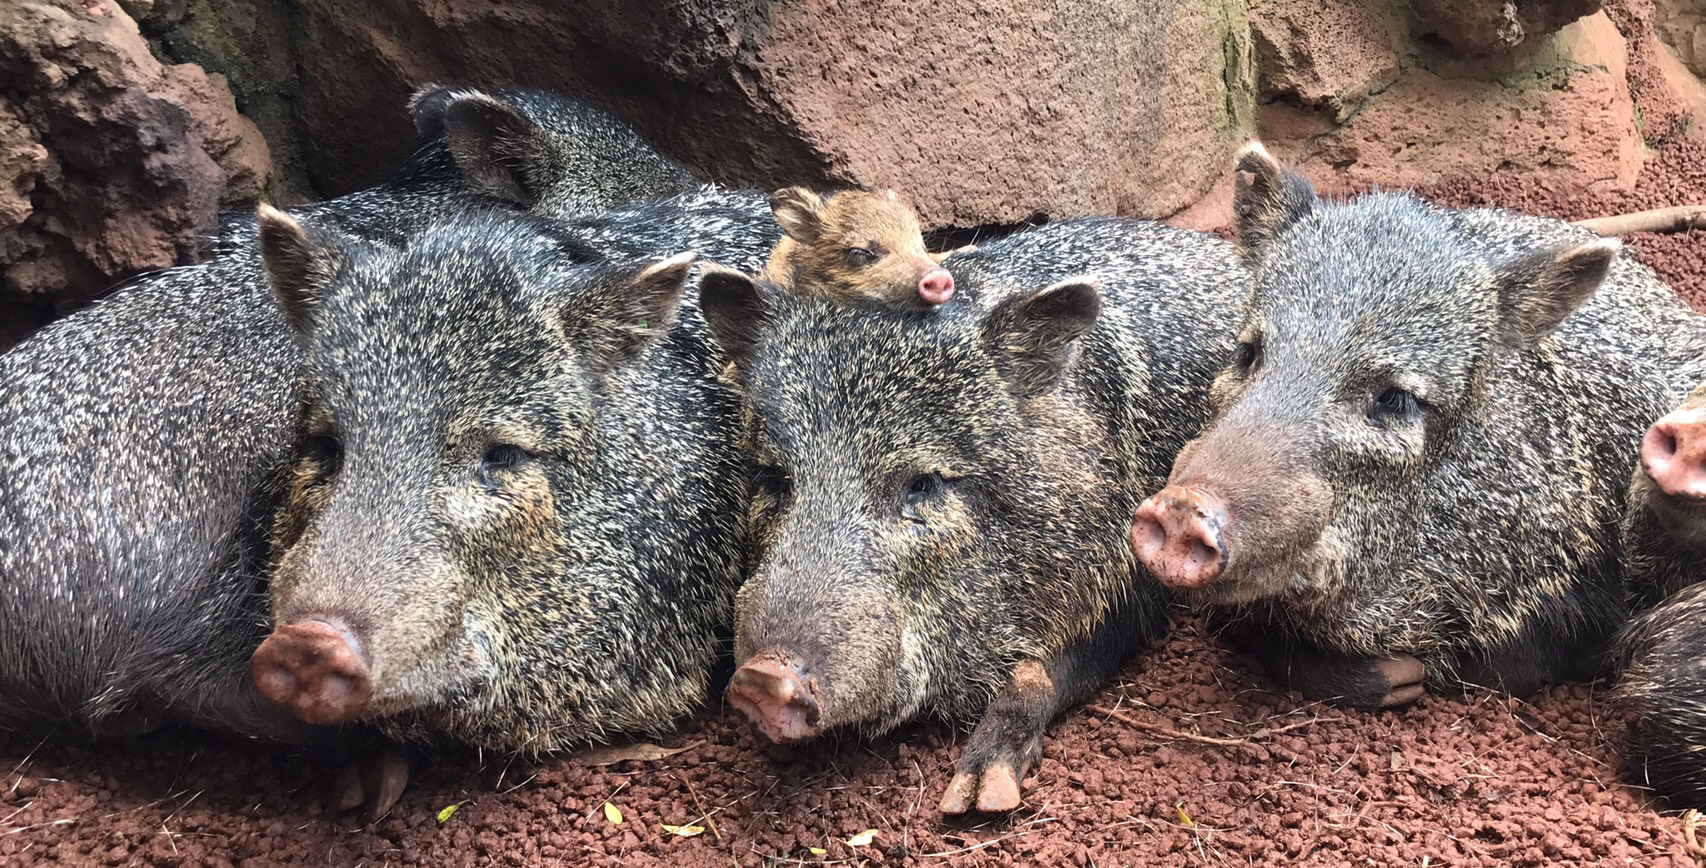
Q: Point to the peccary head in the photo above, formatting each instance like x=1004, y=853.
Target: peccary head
x=853, y=244
x=542, y=152
x=929, y=503
x=469, y=532
x=1367, y=339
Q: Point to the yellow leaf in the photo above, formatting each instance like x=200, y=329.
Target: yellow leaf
x=447, y=812
x=612, y=813
x=1184, y=817
x=863, y=839
x=683, y=831
x=818, y=851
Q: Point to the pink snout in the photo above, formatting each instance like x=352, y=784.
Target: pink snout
x=1674, y=453
x=775, y=694
x=1180, y=535
x=315, y=669
x=936, y=286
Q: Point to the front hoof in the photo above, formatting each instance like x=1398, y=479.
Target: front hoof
x=1404, y=679
x=994, y=791
x=375, y=781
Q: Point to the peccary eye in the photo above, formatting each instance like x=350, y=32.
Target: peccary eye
x=500, y=458
x=1394, y=405
x=773, y=482
x=861, y=257
x=325, y=451
x=1244, y=356
x=920, y=489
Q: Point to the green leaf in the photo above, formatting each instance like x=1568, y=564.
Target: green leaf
x=448, y=812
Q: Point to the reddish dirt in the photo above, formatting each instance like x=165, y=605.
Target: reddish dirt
x=1476, y=780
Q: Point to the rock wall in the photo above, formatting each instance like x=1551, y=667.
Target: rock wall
x=120, y=140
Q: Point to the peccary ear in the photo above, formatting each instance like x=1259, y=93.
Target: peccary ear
x=735, y=309
x=1539, y=290
x=629, y=310
x=298, y=261
x=1266, y=198
x=799, y=212
x=428, y=105
x=500, y=151
x=1033, y=334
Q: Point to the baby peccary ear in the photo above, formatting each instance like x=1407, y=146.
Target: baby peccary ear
x=298, y=261
x=1539, y=290
x=628, y=309
x=1266, y=199
x=799, y=212
x=735, y=309
x=500, y=151
x=1033, y=334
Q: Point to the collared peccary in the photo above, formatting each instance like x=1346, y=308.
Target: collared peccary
x=518, y=518
x=939, y=525
x=144, y=442
x=515, y=523
x=1421, y=447
x=854, y=244
x=1663, y=651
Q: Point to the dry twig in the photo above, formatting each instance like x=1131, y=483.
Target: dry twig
x=1676, y=219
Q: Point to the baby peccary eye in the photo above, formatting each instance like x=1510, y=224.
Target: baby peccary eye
x=500, y=458
x=861, y=256
x=1393, y=405
x=919, y=489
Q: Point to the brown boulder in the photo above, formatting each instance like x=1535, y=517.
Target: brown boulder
x=1494, y=26
x=112, y=163
x=1682, y=26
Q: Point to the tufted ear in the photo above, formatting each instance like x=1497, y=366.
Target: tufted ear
x=298, y=262
x=736, y=309
x=1034, y=335
x=1267, y=199
x=627, y=309
x=501, y=152
x=1540, y=289
x=799, y=212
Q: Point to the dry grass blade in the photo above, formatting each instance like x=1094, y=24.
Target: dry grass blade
x=612, y=754
x=1181, y=735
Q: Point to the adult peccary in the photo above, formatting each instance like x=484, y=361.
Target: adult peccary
x=939, y=527
x=518, y=515
x=1421, y=448
x=1663, y=652
x=144, y=442
x=517, y=521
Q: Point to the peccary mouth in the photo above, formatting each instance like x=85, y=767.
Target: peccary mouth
x=776, y=692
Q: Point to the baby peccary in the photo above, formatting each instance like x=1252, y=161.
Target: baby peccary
x=144, y=442
x=854, y=244
x=1421, y=446
x=939, y=523
x=1663, y=652
x=517, y=523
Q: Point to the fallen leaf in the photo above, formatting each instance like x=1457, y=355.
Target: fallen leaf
x=818, y=851
x=448, y=811
x=612, y=754
x=1184, y=817
x=612, y=813
x=684, y=831
x=863, y=839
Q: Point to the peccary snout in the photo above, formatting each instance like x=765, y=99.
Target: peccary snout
x=1178, y=534
x=1241, y=514
x=776, y=693
x=1673, y=453
x=937, y=286
x=316, y=669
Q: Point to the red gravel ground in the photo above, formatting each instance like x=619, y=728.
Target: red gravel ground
x=1478, y=780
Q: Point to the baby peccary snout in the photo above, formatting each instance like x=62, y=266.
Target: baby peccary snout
x=315, y=668
x=777, y=695
x=854, y=244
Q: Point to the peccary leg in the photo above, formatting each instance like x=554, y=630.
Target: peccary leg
x=1337, y=679
x=375, y=779
x=1008, y=741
